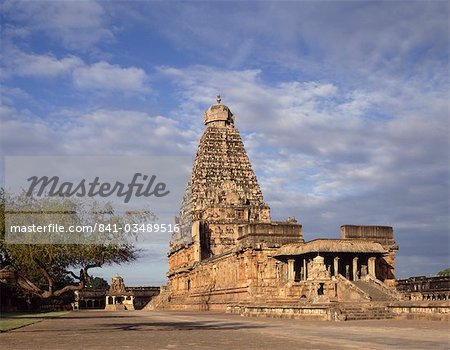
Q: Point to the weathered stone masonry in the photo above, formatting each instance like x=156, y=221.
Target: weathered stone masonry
x=229, y=254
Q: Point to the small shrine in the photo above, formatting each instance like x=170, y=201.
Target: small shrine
x=117, y=297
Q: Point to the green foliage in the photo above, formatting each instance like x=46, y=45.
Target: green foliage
x=97, y=282
x=46, y=269
x=14, y=321
x=445, y=272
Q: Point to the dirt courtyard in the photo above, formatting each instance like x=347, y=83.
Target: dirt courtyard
x=208, y=330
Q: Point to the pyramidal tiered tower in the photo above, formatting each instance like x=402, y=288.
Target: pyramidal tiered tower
x=223, y=193
x=223, y=210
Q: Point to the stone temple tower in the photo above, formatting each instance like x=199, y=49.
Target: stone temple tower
x=223, y=196
x=223, y=192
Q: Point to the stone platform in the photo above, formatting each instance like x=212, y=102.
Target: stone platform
x=430, y=311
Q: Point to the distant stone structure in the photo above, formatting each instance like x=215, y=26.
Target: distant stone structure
x=425, y=288
x=116, y=297
x=230, y=255
x=90, y=298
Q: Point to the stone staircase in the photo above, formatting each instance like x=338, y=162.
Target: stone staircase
x=375, y=292
x=365, y=312
x=159, y=301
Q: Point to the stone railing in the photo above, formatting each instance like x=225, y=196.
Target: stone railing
x=160, y=301
x=390, y=291
x=430, y=295
x=350, y=285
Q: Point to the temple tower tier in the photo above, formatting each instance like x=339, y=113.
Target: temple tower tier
x=223, y=206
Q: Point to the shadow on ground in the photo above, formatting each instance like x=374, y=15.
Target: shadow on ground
x=181, y=326
x=107, y=316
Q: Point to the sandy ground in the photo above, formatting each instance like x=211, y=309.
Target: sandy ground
x=207, y=330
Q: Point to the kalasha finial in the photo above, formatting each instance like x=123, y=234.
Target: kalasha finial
x=219, y=100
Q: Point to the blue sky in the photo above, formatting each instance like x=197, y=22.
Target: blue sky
x=343, y=106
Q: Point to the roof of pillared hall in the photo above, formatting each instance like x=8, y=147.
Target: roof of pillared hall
x=331, y=246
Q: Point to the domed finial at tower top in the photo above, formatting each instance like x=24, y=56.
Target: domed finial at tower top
x=219, y=115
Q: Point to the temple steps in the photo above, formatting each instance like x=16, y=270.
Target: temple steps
x=375, y=293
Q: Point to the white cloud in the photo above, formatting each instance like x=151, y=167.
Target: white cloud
x=76, y=24
x=101, y=76
x=258, y=106
x=24, y=64
x=126, y=132
x=99, y=132
x=105, y=76
x=23, y=133
x=10, y=95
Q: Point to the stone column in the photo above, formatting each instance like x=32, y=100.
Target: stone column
x=195, y=232
x=106, y=300
x=114, y=300
x=355, y=268
x=336, y=265
x=291, y=271
x=371, y=266
x=347, y=272
x=305, y=271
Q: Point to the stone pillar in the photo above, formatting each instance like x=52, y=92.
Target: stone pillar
x=371, y=266
x=114, y=300
x=195, y=232
x=106, y=300
x=355, y=268
x=291, y=271
x=336, y=265
x=305, y=271
x=347, y=272
x=363, y=271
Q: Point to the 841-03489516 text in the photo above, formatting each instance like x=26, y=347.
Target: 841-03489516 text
x=96, y=227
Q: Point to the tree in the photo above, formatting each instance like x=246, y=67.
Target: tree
x=445, y=272
x=98, y=282
x=52, y=269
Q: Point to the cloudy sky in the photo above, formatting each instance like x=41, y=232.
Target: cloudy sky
x=343, y=106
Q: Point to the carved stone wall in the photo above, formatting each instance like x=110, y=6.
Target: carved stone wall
x=225, y=251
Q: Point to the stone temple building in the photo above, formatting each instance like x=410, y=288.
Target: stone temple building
x=230, y=255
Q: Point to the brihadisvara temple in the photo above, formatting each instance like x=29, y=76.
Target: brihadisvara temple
x=229, y=255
